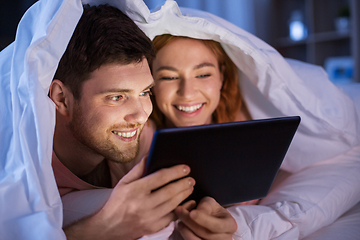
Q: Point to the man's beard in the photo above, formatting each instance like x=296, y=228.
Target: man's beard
x=82, y=131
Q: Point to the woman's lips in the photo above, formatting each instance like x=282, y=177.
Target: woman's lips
x=189, y=109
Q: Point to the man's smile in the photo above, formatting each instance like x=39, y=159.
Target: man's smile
x=125, y=134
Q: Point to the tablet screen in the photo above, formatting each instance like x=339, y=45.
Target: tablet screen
x=231, y=162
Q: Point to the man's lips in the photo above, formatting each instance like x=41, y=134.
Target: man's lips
x=125, y=134
x=189, y=109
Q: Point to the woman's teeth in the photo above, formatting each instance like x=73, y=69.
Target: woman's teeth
x=188, y=109
x=125, y=134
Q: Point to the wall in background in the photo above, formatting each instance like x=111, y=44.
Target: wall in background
x=11, y=12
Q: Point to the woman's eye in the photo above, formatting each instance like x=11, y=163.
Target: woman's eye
x=146, y=93
x=168, y=78
x=203, y=75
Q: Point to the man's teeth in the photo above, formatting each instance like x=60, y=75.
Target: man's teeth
x=189, y=109
x=125, y=134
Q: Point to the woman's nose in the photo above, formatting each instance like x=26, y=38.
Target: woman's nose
x=187, y=88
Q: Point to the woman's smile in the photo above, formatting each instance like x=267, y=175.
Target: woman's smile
x=189, y=109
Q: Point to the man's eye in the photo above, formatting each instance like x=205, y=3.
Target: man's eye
x=146, y=93
x=116, y=98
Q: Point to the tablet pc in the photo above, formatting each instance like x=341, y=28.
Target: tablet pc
x=231, y=162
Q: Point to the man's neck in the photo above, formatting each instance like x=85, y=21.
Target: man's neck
x=100, y=176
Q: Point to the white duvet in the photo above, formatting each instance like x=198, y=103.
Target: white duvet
x=324, y=158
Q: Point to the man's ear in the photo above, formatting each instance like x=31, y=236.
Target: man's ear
x=61, y=96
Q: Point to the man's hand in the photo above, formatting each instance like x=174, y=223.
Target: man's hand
x=208, y=221
x=134, y=209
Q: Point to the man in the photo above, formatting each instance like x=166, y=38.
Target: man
x=101, y=90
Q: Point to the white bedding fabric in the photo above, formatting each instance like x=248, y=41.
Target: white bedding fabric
x=323, y=158
x=30, y=203
x=347, y=227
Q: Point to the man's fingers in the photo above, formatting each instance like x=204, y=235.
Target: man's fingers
x=174, y=188
x=170, y=196
x=165, y=176
x=156, y=179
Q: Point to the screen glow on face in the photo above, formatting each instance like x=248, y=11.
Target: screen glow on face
x=187, y=82
x=113, y=108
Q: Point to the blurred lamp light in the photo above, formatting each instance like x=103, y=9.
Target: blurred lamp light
x=297, y=28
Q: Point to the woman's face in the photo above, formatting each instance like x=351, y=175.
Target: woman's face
x=187, y=82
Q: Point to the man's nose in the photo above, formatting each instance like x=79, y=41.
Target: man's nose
x=136, y=112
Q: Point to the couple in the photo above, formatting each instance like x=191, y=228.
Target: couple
x=102, y=117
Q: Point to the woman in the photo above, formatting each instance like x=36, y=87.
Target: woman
x=192, y=89
x=199, y=86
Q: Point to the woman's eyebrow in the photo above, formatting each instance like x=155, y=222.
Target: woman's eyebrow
x=205, y=64
x=166, y=68
x=201, y=65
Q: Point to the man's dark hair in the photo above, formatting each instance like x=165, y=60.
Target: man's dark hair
x=103, y=35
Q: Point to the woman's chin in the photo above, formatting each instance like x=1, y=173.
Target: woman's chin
x=189, y=124
x=181, y=121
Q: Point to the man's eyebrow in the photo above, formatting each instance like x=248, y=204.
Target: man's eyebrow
x=150, y=86
x=115, y=90
x=122, y=90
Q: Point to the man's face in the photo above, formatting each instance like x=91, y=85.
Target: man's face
x=113, y=108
